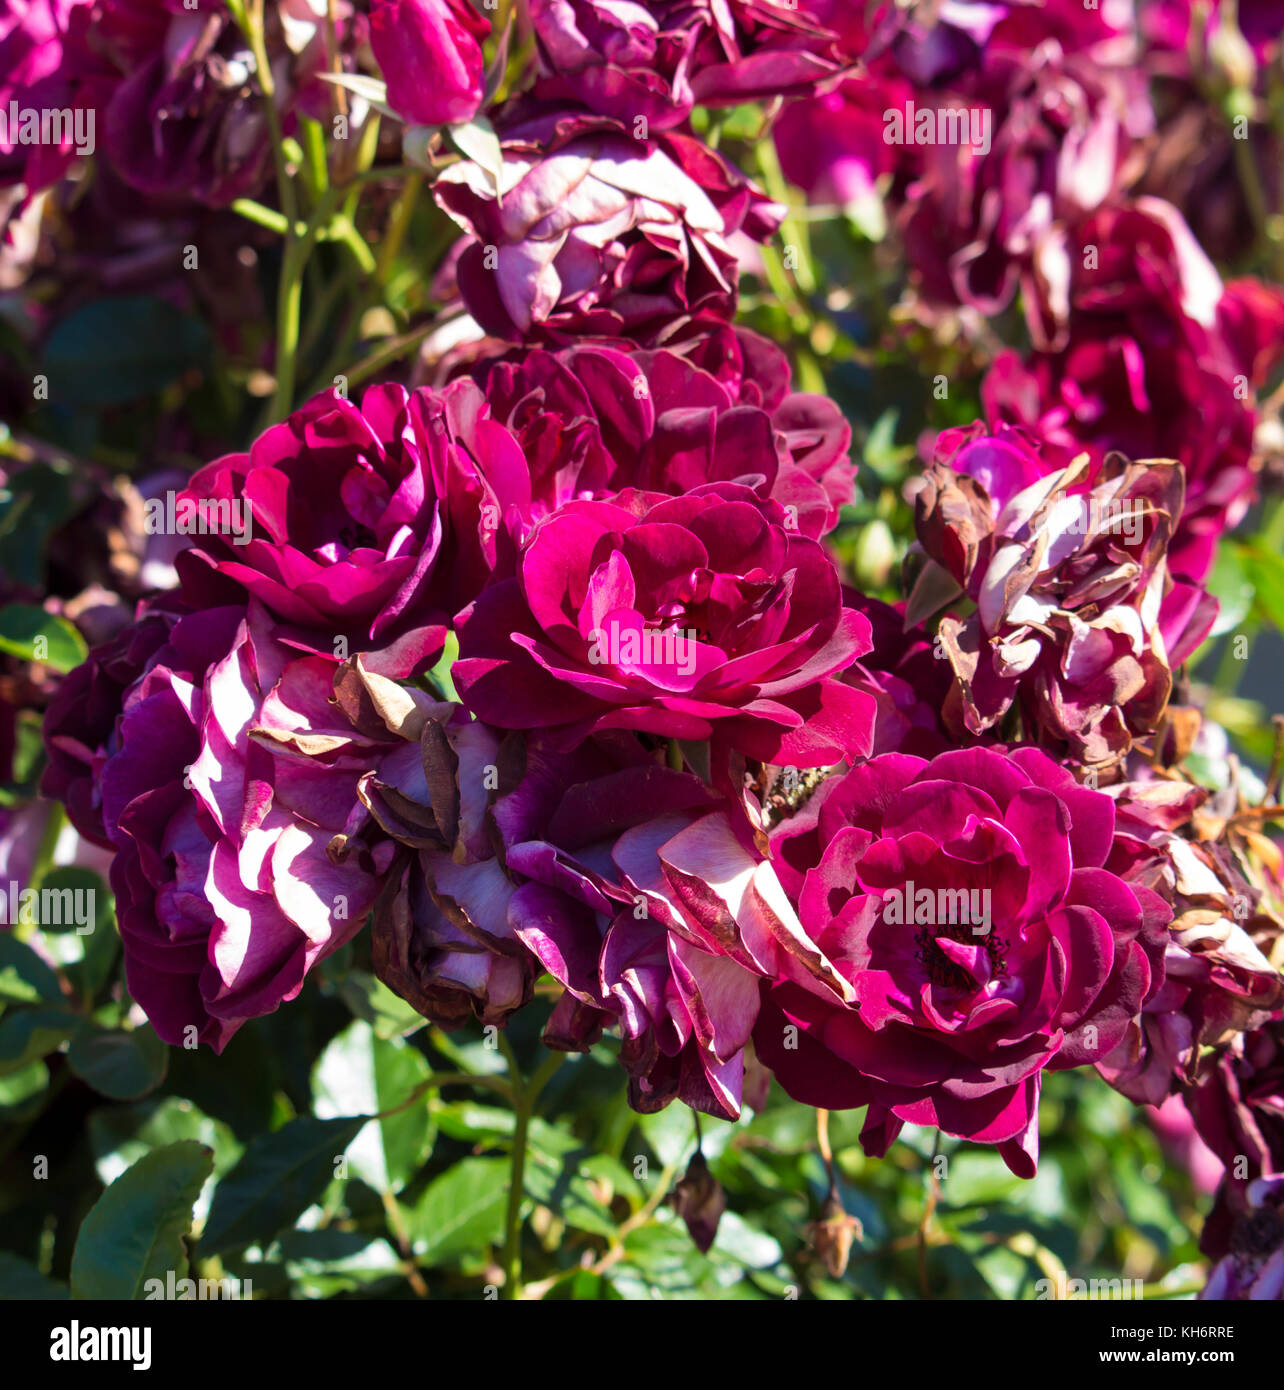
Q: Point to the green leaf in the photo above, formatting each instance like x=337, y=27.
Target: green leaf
x=745, y=1244
x=662, y=1263
x=135, y=1230
x=34, y=502
x=120, y=1135
x=323, y=1263
x=359, y=1073
x=1266, y=573
x=123, y=1065
x=88, y=899
x=370, y=89
x=369, y=998
x=462, y=1210
x=31, y=634
x=1231, y=584
x=567, y=1190
x=440, y=673
x=24, y=977
x=23, y=1282
x=29, y=1034
x=279, y=1176
x=476, y=140
x=20, y=1088
x=112, y=351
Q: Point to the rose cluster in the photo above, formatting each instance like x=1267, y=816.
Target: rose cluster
x=543, y=665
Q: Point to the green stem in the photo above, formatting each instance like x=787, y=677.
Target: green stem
x=366, y=152
x=264, y=217
x=288, y=305
x=48, y=843
x=343, y=230
x=251, y=23
x=316, y=163
x=399, y=226
x=526, y=1095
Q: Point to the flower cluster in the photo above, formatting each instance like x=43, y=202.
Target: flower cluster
x=542, y=671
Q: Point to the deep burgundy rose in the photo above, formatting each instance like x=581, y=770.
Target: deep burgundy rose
x=221, y=814
x=1252, y=1259
x=1146, y=351
x=979, y=126
x=33, y=78
x=655, y=911
x=80, y=723
x=656, y=59
x=337, y=521
x=180, y=114
x=599, y=232
x=688, y=617
x=594, y=420
x=1238, y=1102
x=966, y=902
x=1078, y=624
x=430, y=54
x=1057, y=133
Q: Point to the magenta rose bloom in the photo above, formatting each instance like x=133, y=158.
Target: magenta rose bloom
x=430, y=54
x=33, y=77
x=335, y=520
x=965, y=901
x=834, y=148
x=225, y=894
x=598, y=232
x=692, y=617
x=594, y=420
x=660, y=58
